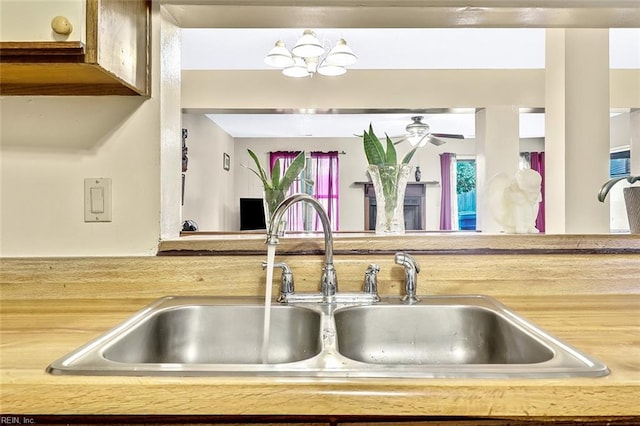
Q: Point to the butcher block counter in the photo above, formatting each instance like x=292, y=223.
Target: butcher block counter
x=587, y=294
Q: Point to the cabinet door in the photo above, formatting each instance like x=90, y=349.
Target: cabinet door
x=117, y=39
x=113, y=58
x=22, y=20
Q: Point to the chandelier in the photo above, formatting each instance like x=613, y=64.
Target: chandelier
x=309, y=56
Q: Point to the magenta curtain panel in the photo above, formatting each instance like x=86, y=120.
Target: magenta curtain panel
x=445, y=195
x=323, y=171
x=326, y=186
x=295, y=213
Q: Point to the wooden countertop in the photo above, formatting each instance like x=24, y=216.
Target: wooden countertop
x=588, y=298
x=35, y=332
x=417, y=242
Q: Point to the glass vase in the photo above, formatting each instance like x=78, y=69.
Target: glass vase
x=272, y=198
x=389, y=183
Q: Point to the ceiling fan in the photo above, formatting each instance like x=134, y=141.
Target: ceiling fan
x=418, y=134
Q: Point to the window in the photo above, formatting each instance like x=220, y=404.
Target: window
x=319, y=179
x=466, y=192
x=619, y=166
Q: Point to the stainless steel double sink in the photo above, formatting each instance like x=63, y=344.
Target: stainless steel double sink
x=441, y=336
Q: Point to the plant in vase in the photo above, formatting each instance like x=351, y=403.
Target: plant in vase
x=389, y=182
x=276, y=185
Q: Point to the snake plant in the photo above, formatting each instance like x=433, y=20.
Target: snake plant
x=387, y=175
x=376, y=154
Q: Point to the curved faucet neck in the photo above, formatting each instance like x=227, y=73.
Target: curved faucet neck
x=276, y=219
x=330, y=286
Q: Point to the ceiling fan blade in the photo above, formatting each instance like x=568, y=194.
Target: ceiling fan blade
x=436, y=141
x=447, y=135
x=400, y=140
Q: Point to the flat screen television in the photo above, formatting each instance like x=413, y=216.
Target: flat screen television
x=251, y=214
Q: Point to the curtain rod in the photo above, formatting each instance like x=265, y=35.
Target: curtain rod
x=321, y=152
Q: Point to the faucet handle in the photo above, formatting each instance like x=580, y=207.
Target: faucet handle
x=371, y=281
x=286, y=281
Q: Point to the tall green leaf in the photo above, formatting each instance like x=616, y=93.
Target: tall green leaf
x=392, y=156
x=293, y=171
x=409, y=156
x=261, y=173
x=275, y=174
x=373, y=148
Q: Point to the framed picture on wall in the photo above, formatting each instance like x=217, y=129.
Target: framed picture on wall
x=226, y=161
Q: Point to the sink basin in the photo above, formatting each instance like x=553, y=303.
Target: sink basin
x=189, y=335
x=213, y=334
x=435, y=334
x=441, y=336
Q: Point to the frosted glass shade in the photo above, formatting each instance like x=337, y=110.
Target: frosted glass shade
x=308, y=45
x=341, y=54
x=279, y=56
x=418, y=140
x=331, y=70
x=298, y=69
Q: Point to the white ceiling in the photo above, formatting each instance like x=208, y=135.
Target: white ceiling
x=347, y=125
x=497, y=48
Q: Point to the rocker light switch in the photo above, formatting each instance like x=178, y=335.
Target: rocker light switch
x=97, y=200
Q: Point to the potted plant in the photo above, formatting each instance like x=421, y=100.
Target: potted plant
x=631, y=200
x=389, y=180
x=277, y=183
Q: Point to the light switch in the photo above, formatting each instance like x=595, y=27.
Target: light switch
x=97, y=200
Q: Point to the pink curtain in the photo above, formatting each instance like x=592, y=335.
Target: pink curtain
x=537, y=163
x=294, y=215
x=323, y=171
x=326, y=186
x=446, y=196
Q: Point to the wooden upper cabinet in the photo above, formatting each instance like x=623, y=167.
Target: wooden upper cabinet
x=112, y=57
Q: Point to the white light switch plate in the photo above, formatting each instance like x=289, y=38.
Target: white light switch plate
x=97, y=200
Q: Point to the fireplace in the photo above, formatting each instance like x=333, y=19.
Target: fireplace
x=414, y=206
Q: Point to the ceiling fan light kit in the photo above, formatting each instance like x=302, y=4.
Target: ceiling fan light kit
x=419, y=133
x=307, y=57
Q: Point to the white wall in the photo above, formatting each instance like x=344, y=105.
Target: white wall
x=209, y=196
x=50, y=144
